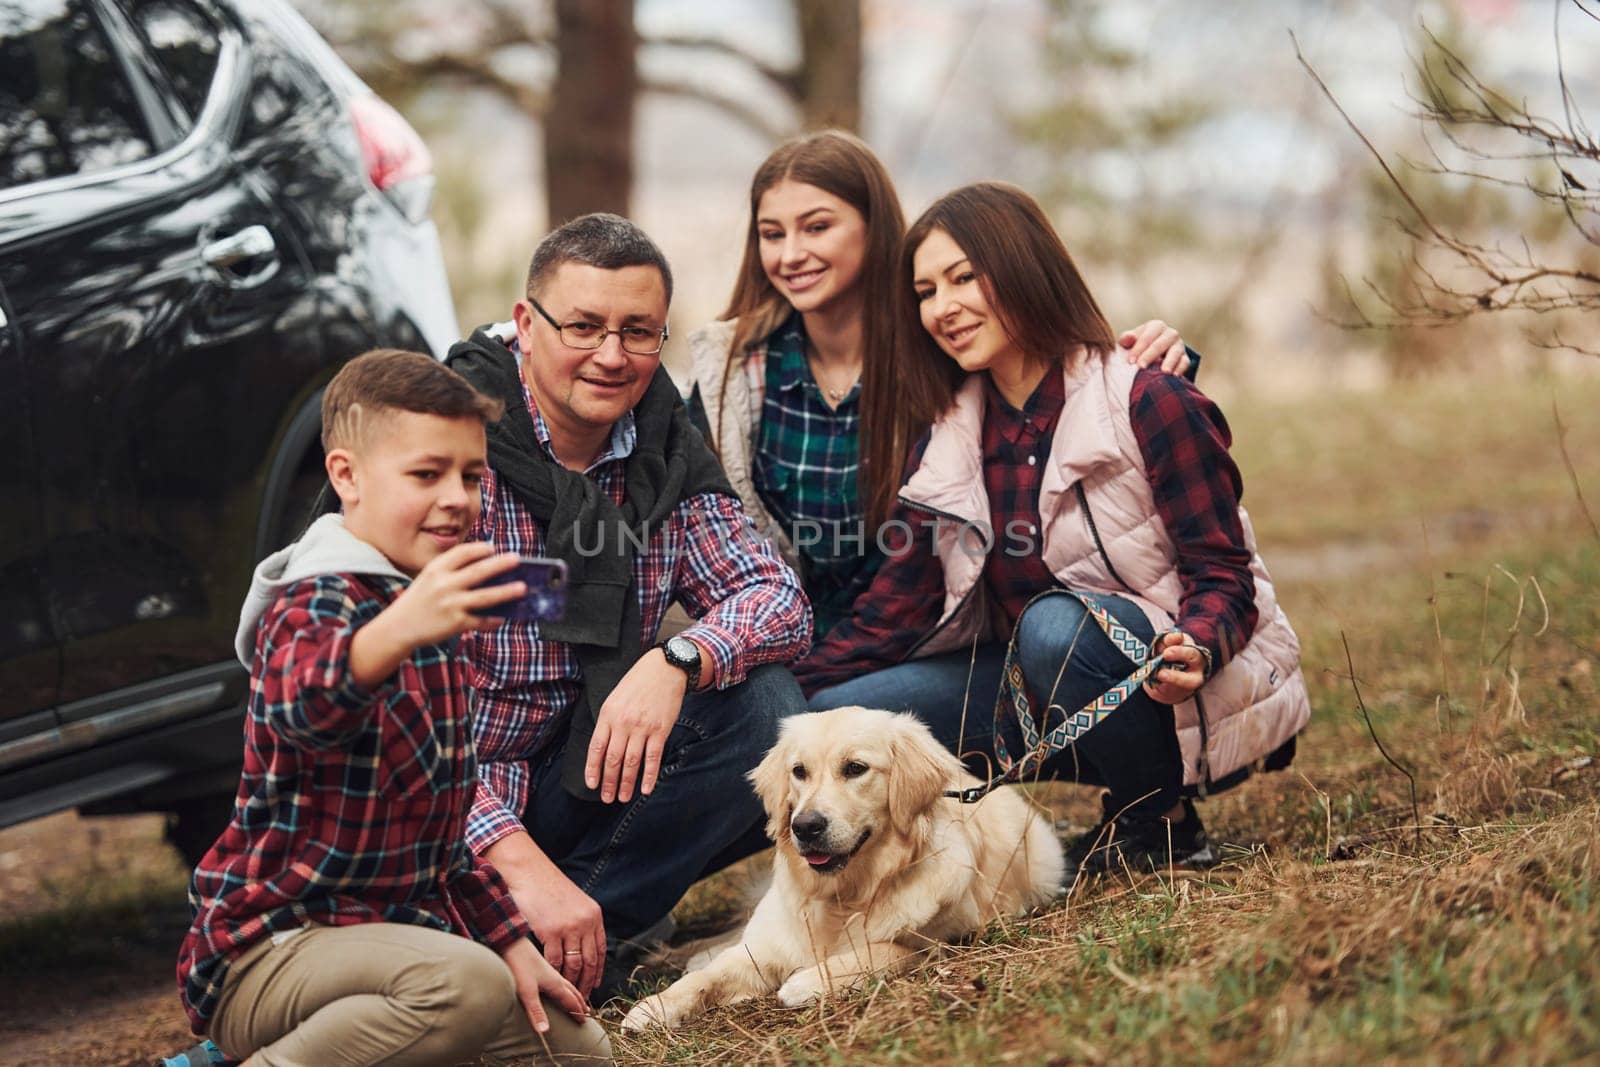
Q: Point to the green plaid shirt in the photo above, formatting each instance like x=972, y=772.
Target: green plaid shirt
x=804, y=469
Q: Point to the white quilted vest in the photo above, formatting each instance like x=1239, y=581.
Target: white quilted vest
x=733, y=416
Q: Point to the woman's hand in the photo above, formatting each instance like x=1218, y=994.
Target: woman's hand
x=1170, y=685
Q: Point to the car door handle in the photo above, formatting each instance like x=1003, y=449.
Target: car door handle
x=252, y=242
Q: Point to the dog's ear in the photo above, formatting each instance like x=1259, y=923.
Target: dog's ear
x=771, y=781
x=920, y=769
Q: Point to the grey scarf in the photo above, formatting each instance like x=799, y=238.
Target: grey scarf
x=670, y=463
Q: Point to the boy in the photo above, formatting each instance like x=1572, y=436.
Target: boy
x=327, y=917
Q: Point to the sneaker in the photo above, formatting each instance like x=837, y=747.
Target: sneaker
x=205, y=1054
x=1141, y=843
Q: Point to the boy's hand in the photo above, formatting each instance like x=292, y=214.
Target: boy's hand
x=533, y=976
x=440, y=602
x=1156, y=341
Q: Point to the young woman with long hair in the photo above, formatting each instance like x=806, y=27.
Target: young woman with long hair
x=1060, y=490
x=794, y=385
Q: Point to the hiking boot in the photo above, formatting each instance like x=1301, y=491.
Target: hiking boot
x=1141, y=842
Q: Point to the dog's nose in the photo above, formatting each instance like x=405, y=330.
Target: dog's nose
x=808, y=825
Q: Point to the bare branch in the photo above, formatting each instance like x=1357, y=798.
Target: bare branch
x=786, y=80
x=474, y=70
x=1569, y=104
x=732, y=106
x=1448, y=275
x=1398, y=184
x=1557, y=344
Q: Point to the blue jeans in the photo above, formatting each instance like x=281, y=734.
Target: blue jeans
x=1067, y=660
x=636, y=860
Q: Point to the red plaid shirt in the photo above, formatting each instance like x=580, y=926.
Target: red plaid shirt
x=748, y=605
x=1184, y=441
x=352, y=806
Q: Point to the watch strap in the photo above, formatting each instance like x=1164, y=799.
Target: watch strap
x=691, y=668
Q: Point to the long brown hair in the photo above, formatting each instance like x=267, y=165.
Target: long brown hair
x=839, y=163
x=1028, y=276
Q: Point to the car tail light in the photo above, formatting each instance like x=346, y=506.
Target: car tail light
x=398, y=162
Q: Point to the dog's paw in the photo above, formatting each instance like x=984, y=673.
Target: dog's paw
x=802, y=988
x=647, y=1013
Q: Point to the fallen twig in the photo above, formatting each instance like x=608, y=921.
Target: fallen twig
x=1416, y=812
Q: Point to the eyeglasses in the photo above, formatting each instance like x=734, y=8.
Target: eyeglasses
x=639, y=340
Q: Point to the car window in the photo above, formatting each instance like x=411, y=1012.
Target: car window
x=275, y=93
x=65, y=103
x=186, y=42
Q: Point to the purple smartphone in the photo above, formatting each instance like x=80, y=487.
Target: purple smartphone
x=546, y=597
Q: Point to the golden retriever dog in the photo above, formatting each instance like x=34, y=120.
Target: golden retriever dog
x=873, y=864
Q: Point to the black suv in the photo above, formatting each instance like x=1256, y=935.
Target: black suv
x=203, y=214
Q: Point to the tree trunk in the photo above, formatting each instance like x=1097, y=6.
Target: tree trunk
x=830, y=64
x=588, y=129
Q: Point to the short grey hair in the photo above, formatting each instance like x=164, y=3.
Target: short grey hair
x=609, y=242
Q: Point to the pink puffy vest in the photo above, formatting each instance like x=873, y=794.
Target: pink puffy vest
x=1254, y=704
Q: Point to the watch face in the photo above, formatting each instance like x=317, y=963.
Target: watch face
x=683, y=649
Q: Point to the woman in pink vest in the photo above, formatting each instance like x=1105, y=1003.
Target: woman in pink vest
x=1055, y=480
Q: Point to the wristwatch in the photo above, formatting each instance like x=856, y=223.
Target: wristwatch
x=683, y=654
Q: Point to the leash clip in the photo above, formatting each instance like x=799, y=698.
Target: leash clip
x=973, y=794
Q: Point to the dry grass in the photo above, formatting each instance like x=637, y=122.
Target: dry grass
x=1436, y=532
x=1346, y=925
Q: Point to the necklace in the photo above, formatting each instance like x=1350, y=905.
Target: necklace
x=835, y=396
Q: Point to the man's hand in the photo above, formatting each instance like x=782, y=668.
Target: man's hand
x=632, y=728
x=533, y=976
x=568, y=923
x=1155, y=340
x=564, y=918
x=439, y=603
x=1172, y=686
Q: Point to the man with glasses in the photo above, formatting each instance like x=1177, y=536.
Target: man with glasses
x=612, y=768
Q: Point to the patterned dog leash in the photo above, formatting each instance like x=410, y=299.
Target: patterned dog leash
x=1040, y=745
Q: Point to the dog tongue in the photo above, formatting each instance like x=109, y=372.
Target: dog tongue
x=817, y=859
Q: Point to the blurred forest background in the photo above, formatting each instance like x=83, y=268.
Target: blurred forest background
x=1195, y=157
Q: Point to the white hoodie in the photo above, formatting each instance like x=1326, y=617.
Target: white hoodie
x=325, y=548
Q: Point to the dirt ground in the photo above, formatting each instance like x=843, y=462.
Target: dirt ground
x=99, y=990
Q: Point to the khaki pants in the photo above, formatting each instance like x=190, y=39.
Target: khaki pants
x=386, y=993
